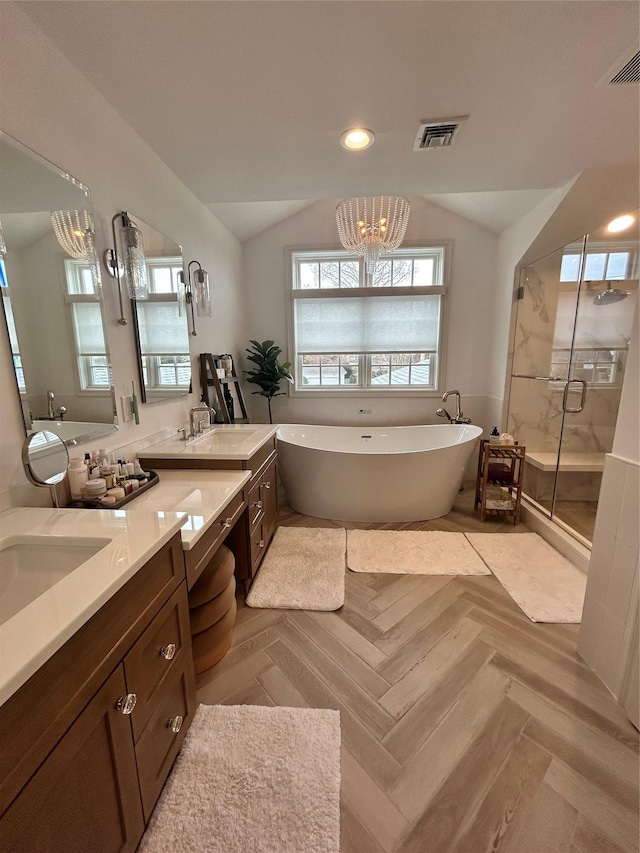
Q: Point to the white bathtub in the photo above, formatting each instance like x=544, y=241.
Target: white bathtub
x=374, y=474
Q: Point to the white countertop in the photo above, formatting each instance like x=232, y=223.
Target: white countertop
x=222, y=441
x=38, y=630
x=202, y=495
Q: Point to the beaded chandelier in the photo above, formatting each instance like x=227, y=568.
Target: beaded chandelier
x=372, y=226
x=75, y=233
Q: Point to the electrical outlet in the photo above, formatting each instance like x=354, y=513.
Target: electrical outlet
x=125, y=404
x=364, y=411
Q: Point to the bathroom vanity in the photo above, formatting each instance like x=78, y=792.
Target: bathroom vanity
x=96, y=677
x=249, y=448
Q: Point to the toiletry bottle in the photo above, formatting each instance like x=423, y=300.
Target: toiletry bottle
x=218, y=417
x=78, y=476
x=229, y=401
x=494, y=436
x=105, y=470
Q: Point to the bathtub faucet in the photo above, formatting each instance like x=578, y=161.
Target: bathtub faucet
x=459, y=417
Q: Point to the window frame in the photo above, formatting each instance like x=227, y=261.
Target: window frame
x=294, y=253
x=75, y=295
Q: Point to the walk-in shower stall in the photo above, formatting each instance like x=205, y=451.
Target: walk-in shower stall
x=574, y=314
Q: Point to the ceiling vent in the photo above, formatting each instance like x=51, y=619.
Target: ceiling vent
x=441, y=133
x=629, y=73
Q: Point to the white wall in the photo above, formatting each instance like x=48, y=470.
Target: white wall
x=469, y=313
x=48, y=106
x=611, y=603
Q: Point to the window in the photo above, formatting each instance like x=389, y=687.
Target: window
x=357, y=332
x=163, y=338
x=88, y=331
x=13, y=339
x=598, y=266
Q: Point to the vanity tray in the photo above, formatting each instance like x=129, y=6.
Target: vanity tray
x=95, y=503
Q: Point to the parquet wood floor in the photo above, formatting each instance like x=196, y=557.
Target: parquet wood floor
x=465, y=727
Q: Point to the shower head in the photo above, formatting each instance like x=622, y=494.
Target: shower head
x=609, y=296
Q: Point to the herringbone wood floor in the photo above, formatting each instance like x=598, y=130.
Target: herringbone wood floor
x=465, y=727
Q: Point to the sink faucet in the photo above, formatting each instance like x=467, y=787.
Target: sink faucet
x=459, y=417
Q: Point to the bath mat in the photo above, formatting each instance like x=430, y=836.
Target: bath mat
x=303, y=570
x=412, y=552
x=252, y=778
x=544, y=585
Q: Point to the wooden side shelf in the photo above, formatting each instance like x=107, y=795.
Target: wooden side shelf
x=499, y=479
x=209, y=379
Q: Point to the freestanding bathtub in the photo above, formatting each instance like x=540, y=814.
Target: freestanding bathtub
x=376, y=474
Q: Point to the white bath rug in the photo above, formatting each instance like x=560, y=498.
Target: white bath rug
x=412, y=552
x=545, y=585
x=252, y=778
x=303, y=570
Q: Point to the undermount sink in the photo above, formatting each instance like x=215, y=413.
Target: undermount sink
x=30, y=565
x=225, y=437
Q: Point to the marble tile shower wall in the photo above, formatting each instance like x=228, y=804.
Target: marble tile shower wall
x=611, y=601
x=535, y=407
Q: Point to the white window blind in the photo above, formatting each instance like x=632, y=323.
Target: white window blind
x=161, y=330
x=87, y=322
x=367, y=324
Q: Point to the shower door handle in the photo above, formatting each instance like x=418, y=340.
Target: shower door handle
x=583, y=397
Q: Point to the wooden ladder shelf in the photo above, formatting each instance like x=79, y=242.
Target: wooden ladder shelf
x=209, y=379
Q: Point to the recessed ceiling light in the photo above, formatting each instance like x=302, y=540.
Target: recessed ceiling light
x=621, y=223
x=357, y=139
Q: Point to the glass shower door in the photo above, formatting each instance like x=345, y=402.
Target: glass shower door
x=606, y=305
x=545, y=321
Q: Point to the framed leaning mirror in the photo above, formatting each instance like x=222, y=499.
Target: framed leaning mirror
x=50, y=284
x=161, y=333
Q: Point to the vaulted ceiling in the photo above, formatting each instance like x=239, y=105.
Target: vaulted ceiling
x=246, y=101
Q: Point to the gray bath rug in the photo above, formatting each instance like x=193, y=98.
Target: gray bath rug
x=252, y=778
x=303, y=570
x=412, y=552
x=545, y=585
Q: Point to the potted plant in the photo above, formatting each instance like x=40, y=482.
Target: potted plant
x=269, y=372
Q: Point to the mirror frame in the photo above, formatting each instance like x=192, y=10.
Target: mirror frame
x=144, y=394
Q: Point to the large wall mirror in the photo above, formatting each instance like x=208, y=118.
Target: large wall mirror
x=162, y=336
x=52, y=298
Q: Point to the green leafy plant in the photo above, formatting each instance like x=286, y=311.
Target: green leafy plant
x=269, y=372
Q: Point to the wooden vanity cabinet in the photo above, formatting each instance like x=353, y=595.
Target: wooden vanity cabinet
x=250, y=537
x=77, y=772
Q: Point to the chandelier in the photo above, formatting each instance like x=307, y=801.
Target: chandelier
x=75, y=234
x=372, y=226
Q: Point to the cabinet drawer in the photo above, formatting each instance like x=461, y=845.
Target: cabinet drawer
x=258, y=547
x=254, y=505
x=161, y=649
x=157, y=748
x=260, y=460
x=197, y=558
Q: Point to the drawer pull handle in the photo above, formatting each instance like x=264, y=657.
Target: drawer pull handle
x=167, y=652
x=258, y=504
x=226, y=523
x=261, y=543
x=175, y=724
x=267, y=485
x=127, y=703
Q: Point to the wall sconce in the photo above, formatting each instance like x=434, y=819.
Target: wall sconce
x=75, y=233
x=130, y=266
x=194, y=290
